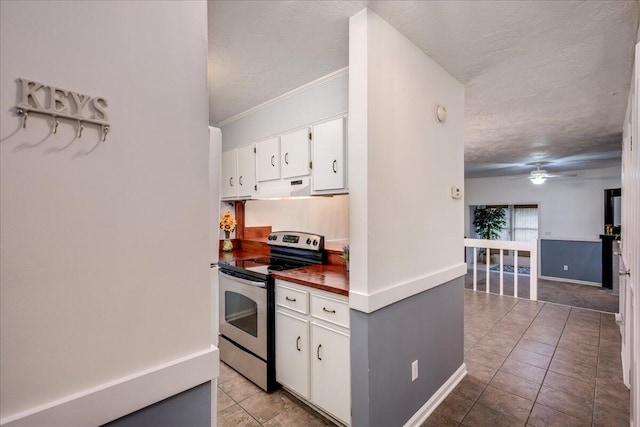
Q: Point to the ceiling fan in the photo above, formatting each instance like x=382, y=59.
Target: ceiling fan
x=539, y=176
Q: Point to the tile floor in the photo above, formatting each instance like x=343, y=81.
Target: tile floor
x=536, y=364
x=241, y=403
x=529, y=363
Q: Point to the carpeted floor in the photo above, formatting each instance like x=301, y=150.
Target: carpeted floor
x=582, y=296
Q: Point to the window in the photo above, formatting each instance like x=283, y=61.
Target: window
x=522, y=222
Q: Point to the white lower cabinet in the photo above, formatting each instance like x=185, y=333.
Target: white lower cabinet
x=330, y=371
x=292, y=353
x=313, y=347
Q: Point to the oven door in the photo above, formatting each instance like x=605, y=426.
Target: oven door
x=243, y=312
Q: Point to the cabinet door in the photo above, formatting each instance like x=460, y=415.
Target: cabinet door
x=294, y=150
x=328, y=155
x=246, y=171
x=228, y=179
x=292, y=353
x=330, y=372
x=268, y=159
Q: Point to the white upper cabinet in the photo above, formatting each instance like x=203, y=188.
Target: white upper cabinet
x=246, y=171
x=238, y=173
x=228, y=181
x=308, y=160
x=268, y=159
x=295, y=156
x=328, y=170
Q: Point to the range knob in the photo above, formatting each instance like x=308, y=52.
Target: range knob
x=308, y=241
x=315, y=243
x=272, y=237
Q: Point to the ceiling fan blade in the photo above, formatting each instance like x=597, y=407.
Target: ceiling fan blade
x=562, y=175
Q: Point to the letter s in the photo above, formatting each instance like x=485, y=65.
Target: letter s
x=100, y=109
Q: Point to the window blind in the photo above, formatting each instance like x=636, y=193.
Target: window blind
x=525, y=223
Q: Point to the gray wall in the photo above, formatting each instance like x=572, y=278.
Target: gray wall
x=428, y=327
x=310, y=105
x=190, y=408
x=584, y=260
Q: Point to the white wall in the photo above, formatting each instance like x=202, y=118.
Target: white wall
x=104, y=246
x=569, y=208
x=406, y=230
x=327, y=216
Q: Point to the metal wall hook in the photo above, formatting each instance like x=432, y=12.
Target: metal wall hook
x=24, y=115
x=105, y=131
x=80, y=129
x=55, y=124
x=23, y=112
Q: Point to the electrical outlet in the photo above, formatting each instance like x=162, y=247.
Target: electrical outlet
x=566, y=268
x=414, y=370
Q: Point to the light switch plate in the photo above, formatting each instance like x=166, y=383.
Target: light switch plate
x=414, y=370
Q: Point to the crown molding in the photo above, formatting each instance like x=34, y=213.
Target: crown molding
x=314, y=83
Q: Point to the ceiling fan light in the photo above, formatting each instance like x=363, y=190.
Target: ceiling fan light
x=537, y=180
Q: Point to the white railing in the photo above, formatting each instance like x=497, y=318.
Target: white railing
x=508, y=245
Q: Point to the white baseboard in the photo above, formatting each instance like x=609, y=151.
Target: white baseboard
x=423, y=413
x=112, y=400
x=577, y=282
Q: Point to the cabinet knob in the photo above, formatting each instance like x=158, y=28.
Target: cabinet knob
x=290, y=299
x=273, y=161
x=240, y=180
x=231, y=182
x=335, y=166
x=286, y=158
x=318, y=352
x=328, y=311
x=298, y=344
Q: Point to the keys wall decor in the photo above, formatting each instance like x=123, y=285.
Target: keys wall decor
x=62, y=104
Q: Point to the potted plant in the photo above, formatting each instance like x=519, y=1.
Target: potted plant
x=227, y=224
x=345, y=256
x=489, y=222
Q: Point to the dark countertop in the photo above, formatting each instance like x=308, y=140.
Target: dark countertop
x=326, y=277
x=330, y=278
x=240, y=254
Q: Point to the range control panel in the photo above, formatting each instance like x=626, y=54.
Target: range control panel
x=296, y=239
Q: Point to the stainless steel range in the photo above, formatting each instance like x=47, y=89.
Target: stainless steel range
x=247, y=303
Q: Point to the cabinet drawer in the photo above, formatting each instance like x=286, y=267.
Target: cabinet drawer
x=293, y=299
x=331, y=310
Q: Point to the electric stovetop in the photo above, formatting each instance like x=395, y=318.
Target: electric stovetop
x=262, y=266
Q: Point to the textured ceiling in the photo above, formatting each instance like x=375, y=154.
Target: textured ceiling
x=545, y=81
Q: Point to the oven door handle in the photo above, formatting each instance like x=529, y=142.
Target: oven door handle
x=245, y=281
